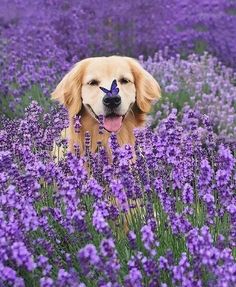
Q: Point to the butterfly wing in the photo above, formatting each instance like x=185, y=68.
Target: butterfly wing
x=114, y=88
x=104, y=90
x=113, y=85
x=115, y=91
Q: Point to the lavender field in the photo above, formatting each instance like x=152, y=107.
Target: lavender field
x=167, y=218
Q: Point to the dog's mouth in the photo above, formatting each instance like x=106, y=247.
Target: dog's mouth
x=112, y=122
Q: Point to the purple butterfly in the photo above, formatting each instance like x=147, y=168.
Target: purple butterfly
x=113, y=91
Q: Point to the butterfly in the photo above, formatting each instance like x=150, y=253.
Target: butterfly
x=113, y=91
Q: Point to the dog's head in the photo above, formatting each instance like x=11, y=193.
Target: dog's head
x=89, y=84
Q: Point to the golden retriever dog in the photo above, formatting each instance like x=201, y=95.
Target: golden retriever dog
x=86, y=91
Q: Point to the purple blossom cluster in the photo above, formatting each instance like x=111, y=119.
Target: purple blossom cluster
x=201, y=82
x=40, y=40
x=167, y=218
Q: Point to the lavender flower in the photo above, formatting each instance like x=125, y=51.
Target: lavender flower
x=22, y=256
x=188, y=194
x=148, y=239
x=88, y=257
x=77, y=123
x=132, y=239
x=134, y=278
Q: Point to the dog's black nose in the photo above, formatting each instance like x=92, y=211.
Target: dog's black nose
x=111, y=101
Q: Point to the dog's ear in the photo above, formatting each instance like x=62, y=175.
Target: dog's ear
x=147, y=88
x=68, y=91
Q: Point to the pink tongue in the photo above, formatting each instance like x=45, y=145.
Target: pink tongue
x=112, y=124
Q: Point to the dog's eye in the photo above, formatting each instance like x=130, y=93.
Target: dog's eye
x=124, y=81
x=93, y=83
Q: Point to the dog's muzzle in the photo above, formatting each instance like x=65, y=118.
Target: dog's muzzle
x=111, y=102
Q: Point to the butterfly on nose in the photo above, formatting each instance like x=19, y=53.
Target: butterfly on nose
x=112, y=98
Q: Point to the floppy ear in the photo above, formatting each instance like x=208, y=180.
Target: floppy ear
x=68, y=91
x=147, y=88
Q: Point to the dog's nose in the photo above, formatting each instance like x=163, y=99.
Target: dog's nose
x=111, y=101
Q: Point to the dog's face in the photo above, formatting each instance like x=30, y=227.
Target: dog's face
x=89, y=84
x=101, y=72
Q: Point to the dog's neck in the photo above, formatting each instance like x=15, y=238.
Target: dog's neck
x=125, y=135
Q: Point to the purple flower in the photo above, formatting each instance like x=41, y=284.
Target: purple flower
x=206, y=174
x=179, y=223
x=22, y=256
x=117, y=190
x=77, y=124
x=99, y=222
x=181, y=274
x=9, y=275
x=107, y=248
x=93, y=188
x=110, y=261
x=188, y=194
x=148, y=239
x=132, y=239
x=134, y=278
x=46, y=282
x=88, y=255
x=226, y=160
